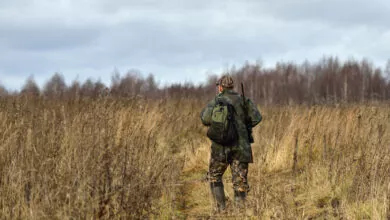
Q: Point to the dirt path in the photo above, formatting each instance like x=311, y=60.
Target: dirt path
x=276, y=191
x=272, y=195
x=194, y=196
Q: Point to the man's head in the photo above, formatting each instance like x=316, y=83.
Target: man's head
x=225, y=82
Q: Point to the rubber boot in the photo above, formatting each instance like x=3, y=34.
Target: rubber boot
x=239, y=199
x=218, y=193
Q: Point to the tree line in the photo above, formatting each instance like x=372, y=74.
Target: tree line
x=326, y=81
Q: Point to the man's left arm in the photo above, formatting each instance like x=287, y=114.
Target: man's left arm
x=254, y=113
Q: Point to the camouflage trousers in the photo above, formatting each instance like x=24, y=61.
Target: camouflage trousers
x=238, y=169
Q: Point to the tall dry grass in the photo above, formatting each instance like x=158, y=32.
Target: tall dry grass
x=333, y=162
x=88, y=159
x=320, y=162
x=122, y=158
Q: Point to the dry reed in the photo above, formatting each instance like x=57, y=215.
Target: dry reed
x=136, y=158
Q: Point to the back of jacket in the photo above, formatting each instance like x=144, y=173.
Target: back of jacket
x=243, y=149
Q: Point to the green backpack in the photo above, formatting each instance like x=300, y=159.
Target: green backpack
x=223, y=128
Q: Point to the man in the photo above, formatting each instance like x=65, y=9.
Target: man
x=238, y=155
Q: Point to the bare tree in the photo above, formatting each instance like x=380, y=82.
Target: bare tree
x=115, y=82
x=387, y=70
x=55, y=87
x=88, y=88
x=3, y=91
x=325, y=81
x=30, y=87
x=100, y=90
x=129, y=85
x=151, y=86
x=73, y=90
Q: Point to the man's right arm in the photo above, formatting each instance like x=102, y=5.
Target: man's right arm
x=207, y=112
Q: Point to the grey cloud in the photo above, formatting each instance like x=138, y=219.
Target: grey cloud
x=47, y=37
x=344, y=13
x=174, y=37
x=15, y=3
x=169, y=6
x=173, y=44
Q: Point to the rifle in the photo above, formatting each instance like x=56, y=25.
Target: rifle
x=248, y=120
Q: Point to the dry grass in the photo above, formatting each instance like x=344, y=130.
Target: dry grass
x=85, y=159
x=144, y=159
x=318, y=162
x=341, y=167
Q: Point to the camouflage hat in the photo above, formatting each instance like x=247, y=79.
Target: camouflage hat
x=226, y=81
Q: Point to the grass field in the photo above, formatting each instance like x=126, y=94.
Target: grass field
x=128, y=158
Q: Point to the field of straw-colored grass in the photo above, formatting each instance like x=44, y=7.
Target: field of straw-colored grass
x=135, y=158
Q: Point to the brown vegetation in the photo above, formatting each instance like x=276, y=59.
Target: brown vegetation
x=137, y=150
x=143, y=158
x=341, y=165
x=319, y=162
x=82, y=159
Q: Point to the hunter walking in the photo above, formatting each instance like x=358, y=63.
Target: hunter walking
x=230, y=118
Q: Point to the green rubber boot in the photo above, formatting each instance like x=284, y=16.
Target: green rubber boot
x=218, y=193
x=239, y=199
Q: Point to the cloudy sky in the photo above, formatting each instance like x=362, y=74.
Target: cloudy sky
x=181, y=40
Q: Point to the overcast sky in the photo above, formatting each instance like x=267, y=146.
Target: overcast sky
x=181, y=40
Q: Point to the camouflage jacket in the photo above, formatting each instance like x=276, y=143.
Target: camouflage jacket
x=243, y=150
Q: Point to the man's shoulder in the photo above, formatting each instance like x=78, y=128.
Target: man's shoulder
x=234, y=96
x=230, y=94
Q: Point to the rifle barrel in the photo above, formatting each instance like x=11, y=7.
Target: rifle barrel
x=248, y=120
